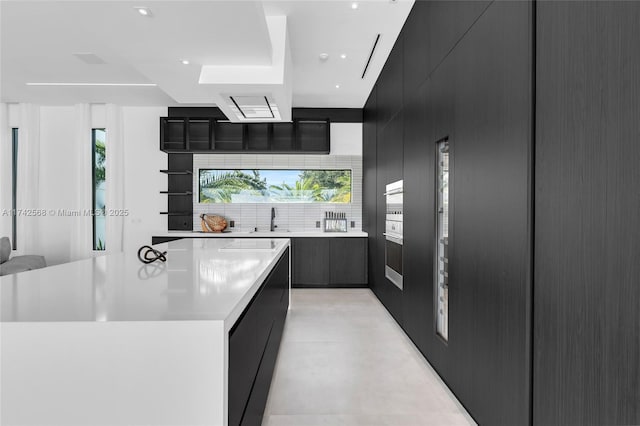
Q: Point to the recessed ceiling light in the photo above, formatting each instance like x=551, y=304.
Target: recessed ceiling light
x=324, y=56
x=143, y=11
x=185, y=62
x=343, y=56
x=94, y=84
x=354, y=5
x=337, y=86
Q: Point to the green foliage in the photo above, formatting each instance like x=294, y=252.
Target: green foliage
x=100, y=246
x=304, y=190
x=328, y=186
x=100, y=161
x=220, y=188
x=337, y=184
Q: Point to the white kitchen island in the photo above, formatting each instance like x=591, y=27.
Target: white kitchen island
x=111, y=341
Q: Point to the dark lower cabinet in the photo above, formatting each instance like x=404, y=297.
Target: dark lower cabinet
x=311, y=261
x=348, y=260
x=253, y=347
x=329, y=261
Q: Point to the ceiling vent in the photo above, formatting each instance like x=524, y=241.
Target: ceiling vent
x=373, y=49
x=254, y=107
x=89, y=58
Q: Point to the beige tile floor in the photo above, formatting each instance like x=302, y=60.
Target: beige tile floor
x=344, y=361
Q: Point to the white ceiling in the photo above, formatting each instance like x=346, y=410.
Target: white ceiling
x=38, y=40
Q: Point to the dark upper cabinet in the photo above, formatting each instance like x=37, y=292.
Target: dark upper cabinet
x=198, y=134
x=173, y=134
x=211, y=135
x=313, y=135
x=228, y=136
x=283, y=137
x=257, y=137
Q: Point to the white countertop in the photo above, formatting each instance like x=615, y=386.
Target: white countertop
x=265, y=234
x=199, y=281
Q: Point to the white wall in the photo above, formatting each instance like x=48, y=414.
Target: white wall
x=57, y=187
x=346, y=139
x=143, y=180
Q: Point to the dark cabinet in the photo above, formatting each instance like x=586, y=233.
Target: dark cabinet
x=330, y=261
x=348, y=260
x=227, y=136
x=313, y=136
x=179, y=192
x=311, y=261
x=198, y=134
x=173, y=134
x=253, y=347
x=282, y=137
x=212, y=135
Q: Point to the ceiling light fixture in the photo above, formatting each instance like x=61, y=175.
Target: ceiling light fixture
x=94, y=84
x=143, y=11
x=324, y=56
x=343, y=56
x=337, y=86
x=354, y=5
x=185, y=62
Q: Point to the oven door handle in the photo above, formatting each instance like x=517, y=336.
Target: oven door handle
x=393, y=238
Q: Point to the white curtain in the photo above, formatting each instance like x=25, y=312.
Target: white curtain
x=5, y=172
x=115, y=179
x=28, y=185
x=82, y=230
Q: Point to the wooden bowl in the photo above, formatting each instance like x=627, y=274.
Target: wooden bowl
x=212, y=223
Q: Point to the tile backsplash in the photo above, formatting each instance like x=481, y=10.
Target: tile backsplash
x=291, y=217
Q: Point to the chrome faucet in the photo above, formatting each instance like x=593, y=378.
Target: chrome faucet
x=273, y=216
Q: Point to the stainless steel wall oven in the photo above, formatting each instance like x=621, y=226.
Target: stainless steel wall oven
x=394, y=233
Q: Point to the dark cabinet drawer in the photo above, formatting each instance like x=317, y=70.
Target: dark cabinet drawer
x=253, y=347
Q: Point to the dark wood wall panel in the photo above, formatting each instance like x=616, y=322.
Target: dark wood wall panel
x=370, y=193
x=490, y=143
x=390, y=85
x=465, y=73
x=587, y=238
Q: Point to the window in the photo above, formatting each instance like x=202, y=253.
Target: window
x=99, y=162
x=275, y=186
x=14, y=187
x=442, y=239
